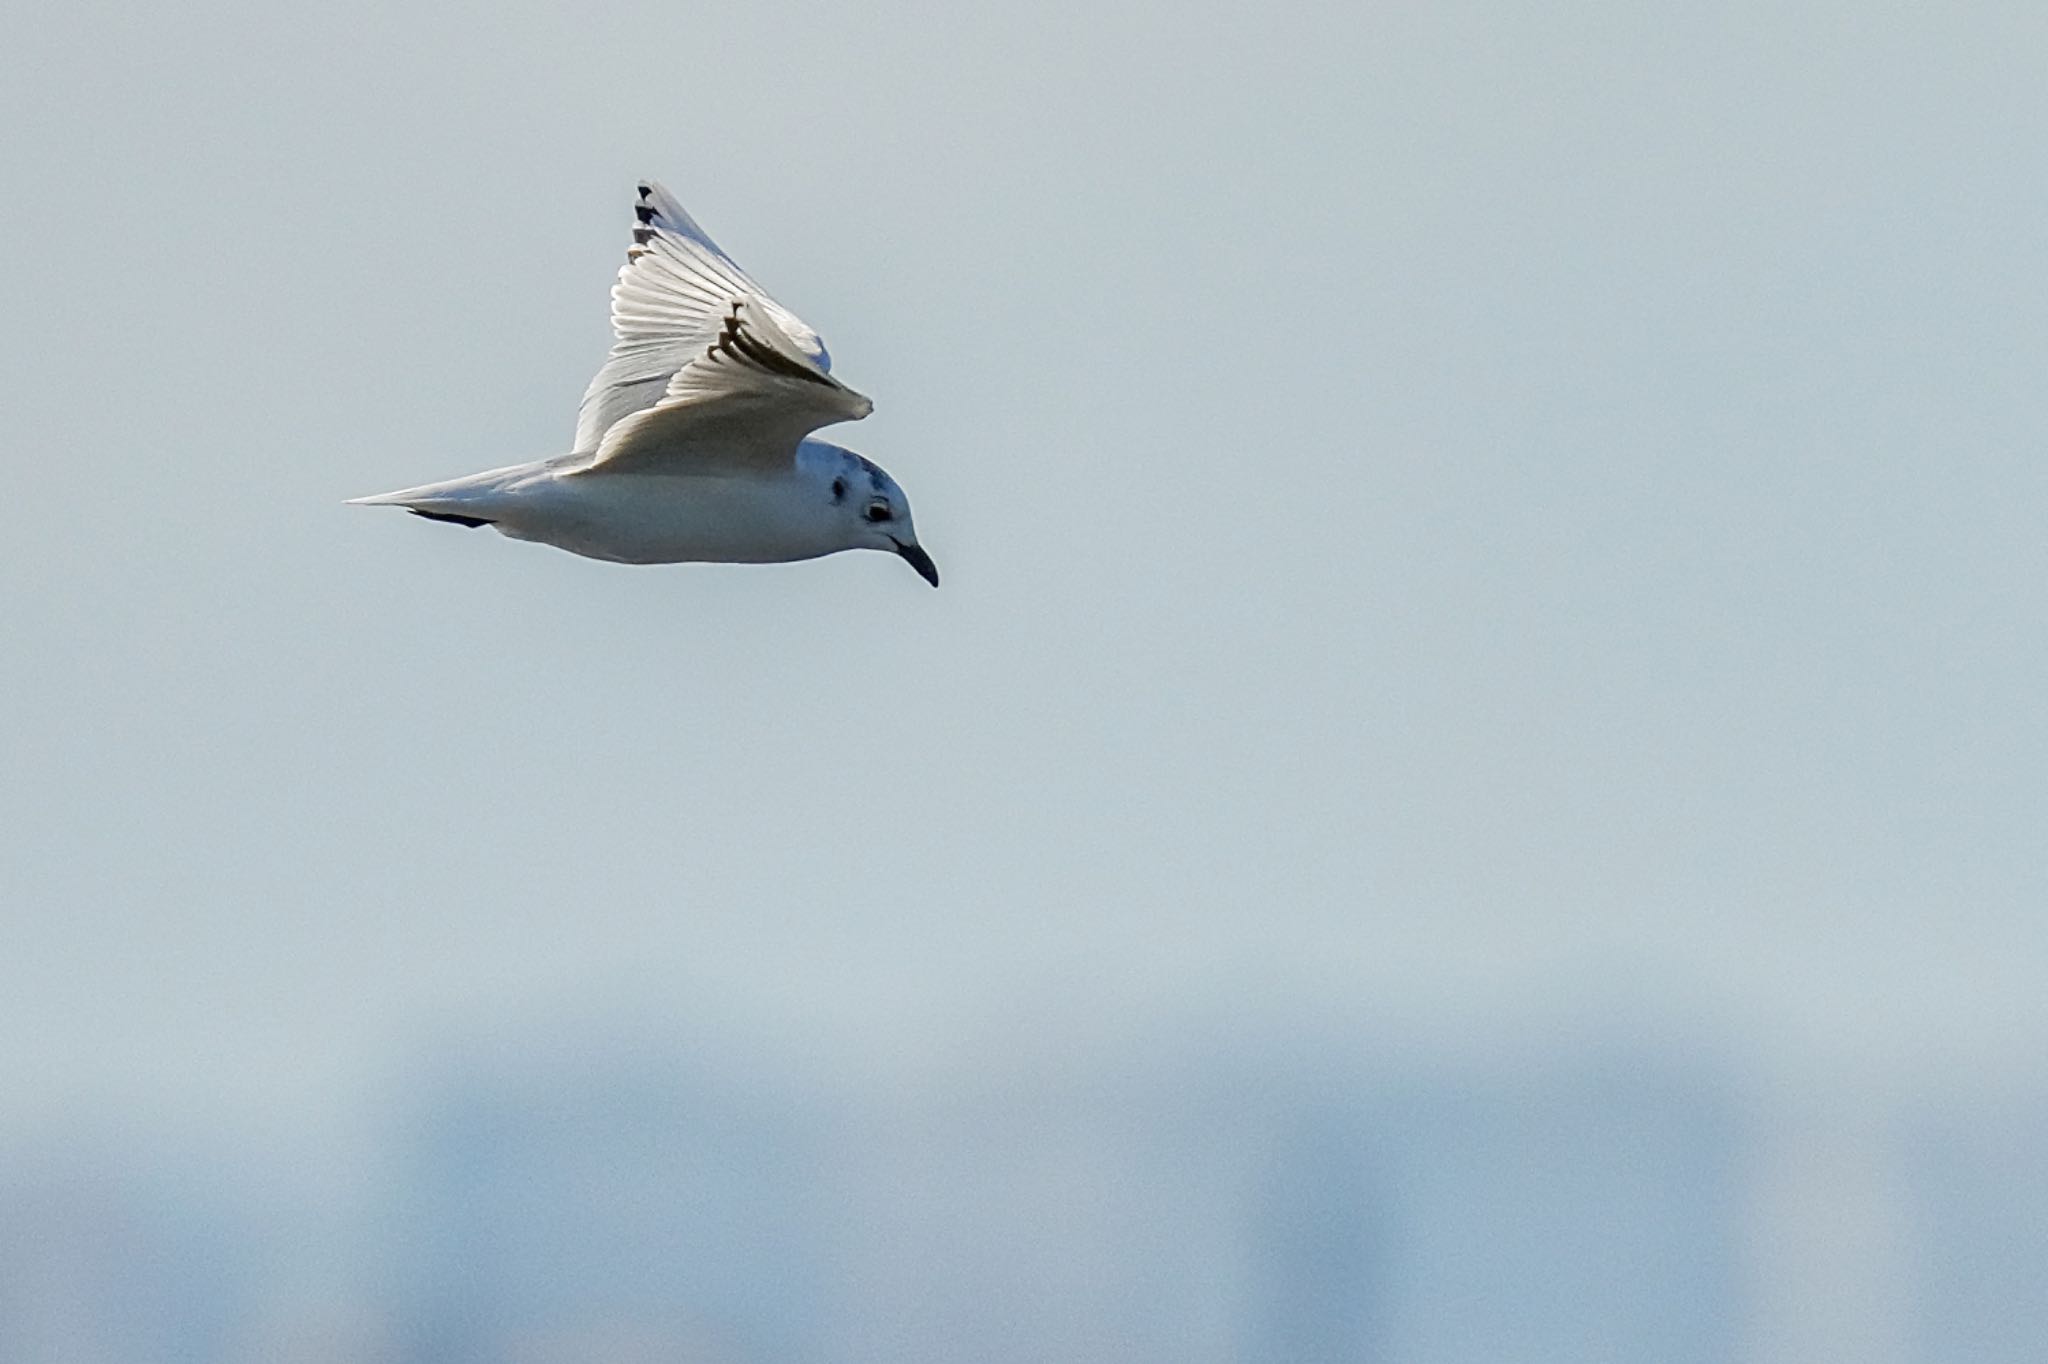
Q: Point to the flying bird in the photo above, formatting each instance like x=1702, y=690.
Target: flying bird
x=693, y=443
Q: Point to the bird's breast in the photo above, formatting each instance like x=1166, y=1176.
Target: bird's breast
x=667, y=518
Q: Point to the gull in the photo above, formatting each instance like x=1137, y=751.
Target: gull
x=693, y=443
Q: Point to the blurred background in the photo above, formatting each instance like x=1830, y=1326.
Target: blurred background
x=1474, y=790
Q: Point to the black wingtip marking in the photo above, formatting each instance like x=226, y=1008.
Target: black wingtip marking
x=644, y=212
x=451, y=518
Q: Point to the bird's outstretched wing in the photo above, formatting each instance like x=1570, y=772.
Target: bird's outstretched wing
x=701, y=352
x=747, y=400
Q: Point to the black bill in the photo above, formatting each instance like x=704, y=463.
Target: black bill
x=915, y=556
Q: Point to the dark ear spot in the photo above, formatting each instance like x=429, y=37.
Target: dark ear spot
x=838, y=490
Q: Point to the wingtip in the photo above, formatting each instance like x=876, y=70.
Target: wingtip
x=646, y=209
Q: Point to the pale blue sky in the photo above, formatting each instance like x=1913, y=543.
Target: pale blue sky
x=1465, y=518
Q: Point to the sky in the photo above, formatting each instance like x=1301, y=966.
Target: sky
x=1468, y=527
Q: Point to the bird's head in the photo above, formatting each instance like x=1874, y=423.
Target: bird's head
x=879, y=514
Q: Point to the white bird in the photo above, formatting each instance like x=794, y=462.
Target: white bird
x=693, y=441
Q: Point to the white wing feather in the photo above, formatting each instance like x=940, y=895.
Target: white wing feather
x=680, y=303
x=747, y=400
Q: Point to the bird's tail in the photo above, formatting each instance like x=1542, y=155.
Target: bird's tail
x=471, y=501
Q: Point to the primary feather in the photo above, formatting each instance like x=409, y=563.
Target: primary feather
x=672, y=300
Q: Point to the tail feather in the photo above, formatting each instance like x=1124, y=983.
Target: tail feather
x=472, y=501
x=471, y=521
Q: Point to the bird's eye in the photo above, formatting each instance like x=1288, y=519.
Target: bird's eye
x=838, y=490
x=878, y=511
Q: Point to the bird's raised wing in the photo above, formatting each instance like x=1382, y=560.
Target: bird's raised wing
x=746, y=400
x=681, y=302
